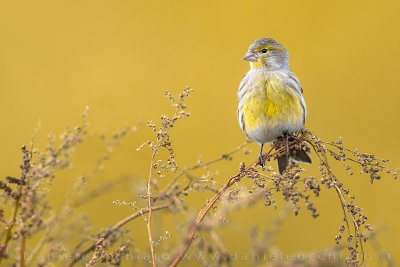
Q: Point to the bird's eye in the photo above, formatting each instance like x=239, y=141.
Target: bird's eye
x=264, y=50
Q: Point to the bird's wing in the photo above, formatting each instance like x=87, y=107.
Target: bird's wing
x=294, y=82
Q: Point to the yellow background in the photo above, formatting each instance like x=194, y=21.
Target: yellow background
x=118, y=57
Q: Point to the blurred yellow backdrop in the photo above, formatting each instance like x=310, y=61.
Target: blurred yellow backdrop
x=118, y=57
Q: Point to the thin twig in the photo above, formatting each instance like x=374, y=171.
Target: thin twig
x=190, y=235
x=162, y=141
x=17, y=201
x=22, y=251
x=27, y=167
x=115, y=228
x=342, y=199
x=203, y=164
x=39, y=245
x=150, y=200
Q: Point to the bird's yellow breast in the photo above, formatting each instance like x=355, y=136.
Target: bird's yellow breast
x=270, y=101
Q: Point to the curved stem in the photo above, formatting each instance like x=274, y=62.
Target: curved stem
x=115, y=228
x=232, y=180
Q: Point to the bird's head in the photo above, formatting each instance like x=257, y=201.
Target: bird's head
x=267, y=53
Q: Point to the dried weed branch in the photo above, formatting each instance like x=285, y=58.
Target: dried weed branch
x=353, y=214
x=113, y=258
x=163, y=141
x=17, y=196
x=232, y=180
x=169, y=187
x=114, y=229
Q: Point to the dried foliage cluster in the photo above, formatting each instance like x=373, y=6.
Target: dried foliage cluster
x=27, y=214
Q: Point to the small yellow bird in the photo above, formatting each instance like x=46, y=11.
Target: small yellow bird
x=271, y=102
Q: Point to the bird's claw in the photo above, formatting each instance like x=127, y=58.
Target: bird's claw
x=261, y=160
x=267, y=156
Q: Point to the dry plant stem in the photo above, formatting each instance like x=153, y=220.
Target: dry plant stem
x=160, y=142
x=38, y=246
x=135, y=215
x=116, y=227
x=14, y=217
x=342, y=199
x=22, y=251
x=17, y=201
x=200, y=216
x=203, y=164
x=190, y=235
x=148, y=221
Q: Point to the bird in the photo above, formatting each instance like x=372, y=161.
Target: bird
x=271, y=103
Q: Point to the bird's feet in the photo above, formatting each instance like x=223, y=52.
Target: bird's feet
x=261, y=160
x=286, y=136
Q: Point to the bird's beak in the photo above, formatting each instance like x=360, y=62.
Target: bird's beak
x=250, y=56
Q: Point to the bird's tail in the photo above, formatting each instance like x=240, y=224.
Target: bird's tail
x=295, y=153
